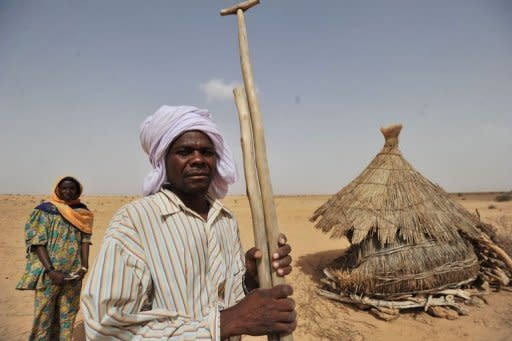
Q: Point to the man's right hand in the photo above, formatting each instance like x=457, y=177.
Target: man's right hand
x=261, y=312
x=57, y=277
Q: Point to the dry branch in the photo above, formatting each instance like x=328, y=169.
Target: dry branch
x=487, y=242
x=416, y=302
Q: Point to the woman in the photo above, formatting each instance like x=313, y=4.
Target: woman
x=57, y=237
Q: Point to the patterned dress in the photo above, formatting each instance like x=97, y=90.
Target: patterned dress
x=55, y=306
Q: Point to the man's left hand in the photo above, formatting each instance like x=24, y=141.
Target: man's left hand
x=281, y=262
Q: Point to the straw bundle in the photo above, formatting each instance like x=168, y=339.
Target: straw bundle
x=407, y=235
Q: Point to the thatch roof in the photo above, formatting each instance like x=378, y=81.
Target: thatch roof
x=391, y=198
x=406, y=233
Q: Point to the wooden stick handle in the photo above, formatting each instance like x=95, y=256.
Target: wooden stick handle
x=253, y=188
x=244, y=6
x=270, y=216
x=259, y=144
x=267, y=195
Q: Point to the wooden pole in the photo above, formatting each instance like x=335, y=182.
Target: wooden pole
x=263, y=173
x=267, y=195
x=253, y=188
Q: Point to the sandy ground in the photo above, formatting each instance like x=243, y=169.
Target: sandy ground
x=319, y=318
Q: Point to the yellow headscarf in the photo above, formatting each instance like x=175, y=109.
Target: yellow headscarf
x=81, y=218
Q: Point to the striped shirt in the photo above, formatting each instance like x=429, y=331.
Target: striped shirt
x=163, y=272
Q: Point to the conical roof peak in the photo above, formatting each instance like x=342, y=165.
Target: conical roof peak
x=391, y=134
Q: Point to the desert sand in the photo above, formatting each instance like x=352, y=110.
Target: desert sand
x=319, y=318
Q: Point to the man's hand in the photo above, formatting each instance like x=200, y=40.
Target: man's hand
x=261, y=312
x=57, y=277
x=281, y=262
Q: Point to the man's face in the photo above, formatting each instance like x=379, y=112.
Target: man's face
x=191, y=163
x=68, y=190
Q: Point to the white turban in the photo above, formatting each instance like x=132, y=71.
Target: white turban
x=159, y=130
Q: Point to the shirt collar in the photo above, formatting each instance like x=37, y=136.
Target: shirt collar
x=169, y=203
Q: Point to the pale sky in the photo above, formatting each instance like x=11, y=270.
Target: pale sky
x=78, y=77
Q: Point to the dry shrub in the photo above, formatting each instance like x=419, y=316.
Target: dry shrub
x=503, y=197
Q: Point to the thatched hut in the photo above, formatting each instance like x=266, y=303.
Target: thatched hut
x=407, y=236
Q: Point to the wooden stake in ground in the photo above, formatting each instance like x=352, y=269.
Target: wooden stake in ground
x=263, y=173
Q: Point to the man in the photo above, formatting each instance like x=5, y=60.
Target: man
x=57, y=238
x=171, y=265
